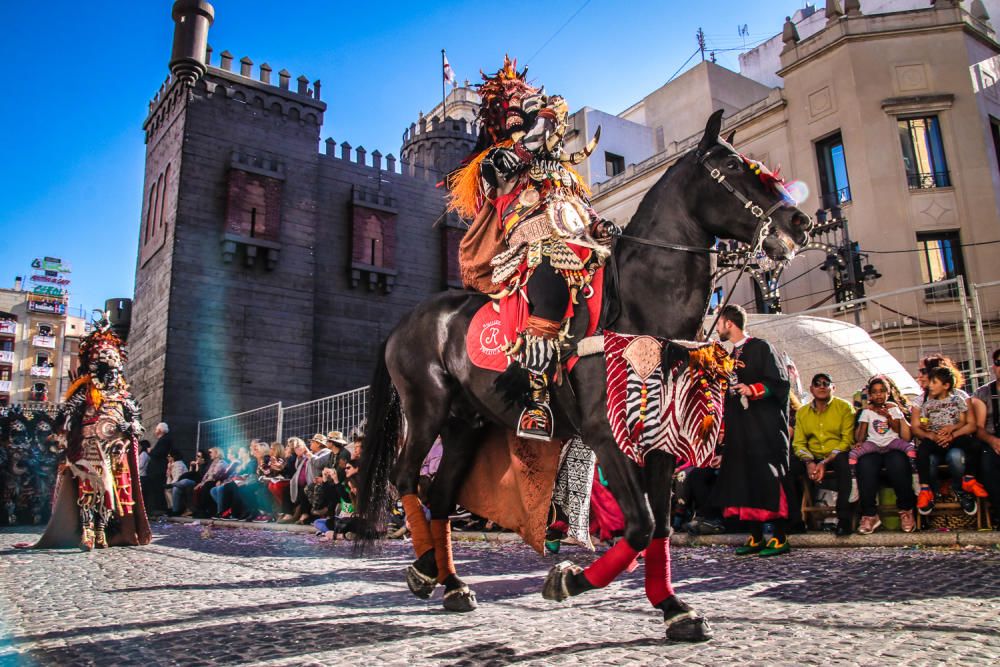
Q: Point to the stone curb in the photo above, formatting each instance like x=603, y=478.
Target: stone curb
x=808, y=540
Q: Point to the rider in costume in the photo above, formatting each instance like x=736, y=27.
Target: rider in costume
x=534, y=242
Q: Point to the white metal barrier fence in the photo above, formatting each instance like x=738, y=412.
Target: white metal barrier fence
x=239, y=429
x=985, y=299
x=341, y=412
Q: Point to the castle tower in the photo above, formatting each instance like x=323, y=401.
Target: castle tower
x=225, y=278
x=441, y=142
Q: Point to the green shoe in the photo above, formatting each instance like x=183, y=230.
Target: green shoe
x=750, y=547
x=773, y=548
x=552, y=546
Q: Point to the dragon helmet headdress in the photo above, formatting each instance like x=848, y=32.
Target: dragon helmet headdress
x=502, y=95
x=100, y=339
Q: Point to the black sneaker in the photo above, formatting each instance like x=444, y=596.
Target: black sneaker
x=968, y=503
x=844, y=528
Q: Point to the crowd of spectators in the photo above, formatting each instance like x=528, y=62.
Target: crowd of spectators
x=882, y=440
x=296, y=482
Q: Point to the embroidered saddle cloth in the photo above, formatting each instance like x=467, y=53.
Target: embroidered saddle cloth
x=666, y=395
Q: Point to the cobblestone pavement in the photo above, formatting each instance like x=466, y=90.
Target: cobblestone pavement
x=220, y=596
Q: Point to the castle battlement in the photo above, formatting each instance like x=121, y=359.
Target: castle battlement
x=301, y=104
x=375, y=161
x=449, y=128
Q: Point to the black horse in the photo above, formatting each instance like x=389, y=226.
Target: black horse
x=426, y=376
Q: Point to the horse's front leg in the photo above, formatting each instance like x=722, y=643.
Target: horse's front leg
x=682, y=623
x=625, y=484
x=460, y=441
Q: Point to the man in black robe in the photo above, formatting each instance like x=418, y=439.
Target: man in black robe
x=156, y=471
x=753, y=482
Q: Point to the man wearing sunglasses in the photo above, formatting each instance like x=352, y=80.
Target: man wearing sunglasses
x=986, y=406
x=824, y=434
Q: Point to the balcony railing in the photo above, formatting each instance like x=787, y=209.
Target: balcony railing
x=927, y=181
x=44, y=341
x=6, y=357
x=837, y=198
x=5, y=386
x=8, y=327
x=41, y=371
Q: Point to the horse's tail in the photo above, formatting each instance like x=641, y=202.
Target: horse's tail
x=378, y=456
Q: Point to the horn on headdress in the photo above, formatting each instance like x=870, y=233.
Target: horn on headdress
x=581, y=155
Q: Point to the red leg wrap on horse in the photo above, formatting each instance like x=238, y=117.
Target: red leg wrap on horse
x=658, y=586
x=603, y=570
x=419, y=528
x=441, y=534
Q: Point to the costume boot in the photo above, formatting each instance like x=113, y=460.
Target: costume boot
x=539, y=357
x=87, y=539
x=100, y=537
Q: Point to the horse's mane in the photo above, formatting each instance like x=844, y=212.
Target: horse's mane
x=611, y=304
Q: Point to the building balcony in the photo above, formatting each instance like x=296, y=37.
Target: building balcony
x=927, y=181
x=6, y=357
x=8, y=328
x=41, y=371
x=5, y=386
x=837, y=198
x=44, y=341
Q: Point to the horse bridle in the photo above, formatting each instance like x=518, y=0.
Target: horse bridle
x=761, y=232
x=762, y=215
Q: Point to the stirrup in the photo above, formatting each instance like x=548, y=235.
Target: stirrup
x=535, y=423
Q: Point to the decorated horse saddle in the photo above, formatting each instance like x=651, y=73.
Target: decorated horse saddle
x=664, y=395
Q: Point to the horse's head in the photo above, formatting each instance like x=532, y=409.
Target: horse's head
x=739, y=198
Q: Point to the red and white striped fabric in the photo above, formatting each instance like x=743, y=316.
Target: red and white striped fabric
x=679, y=412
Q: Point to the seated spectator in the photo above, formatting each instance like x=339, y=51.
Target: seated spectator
x=175, y=469
x=883, y=436
x=241, y=467
x=824, y=434
x=217, y=470
x=297, y=495
x=944, y=424
x=186, y=483
x=986, y=406
x=279, y=482
x=253, y=500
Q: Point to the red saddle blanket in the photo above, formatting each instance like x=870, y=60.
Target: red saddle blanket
x=496, y=324
x=677, y=410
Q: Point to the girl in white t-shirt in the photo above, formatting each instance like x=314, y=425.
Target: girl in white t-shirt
x=881, y=427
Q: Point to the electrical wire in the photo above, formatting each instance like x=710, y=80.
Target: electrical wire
x=674, y=75
x=556, y=33
x=894, y=252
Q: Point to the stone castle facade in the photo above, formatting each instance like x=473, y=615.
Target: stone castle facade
x=267, y=269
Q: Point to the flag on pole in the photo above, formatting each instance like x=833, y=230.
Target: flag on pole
x=449, y=73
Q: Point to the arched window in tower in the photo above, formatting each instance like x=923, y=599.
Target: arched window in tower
x=157, y=202
x=163, y=197
x=149, y=212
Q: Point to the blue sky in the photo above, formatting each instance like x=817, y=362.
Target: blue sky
x=78, y=77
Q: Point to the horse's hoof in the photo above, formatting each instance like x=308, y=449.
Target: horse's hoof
x=419, y=583
x=556, y=586
x=460, y=599
x=688, y=627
